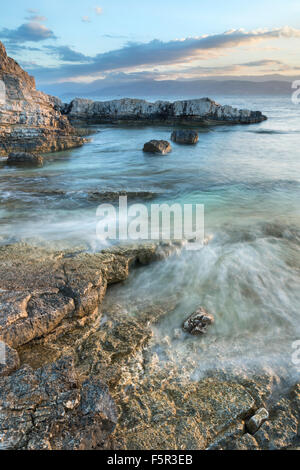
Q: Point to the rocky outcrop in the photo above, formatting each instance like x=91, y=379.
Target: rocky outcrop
x=197, y=112
x=29, y=119
x=183, y=136
x=157, y=146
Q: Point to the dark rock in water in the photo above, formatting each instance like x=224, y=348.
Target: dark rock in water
x=50, y=409
x=24, y=159
x=30, y=120
x=198, y=322
x=112, y=196
x=185, y=137
x=157, y=146
x=254, y=423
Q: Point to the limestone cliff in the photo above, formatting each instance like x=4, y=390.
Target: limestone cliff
x=29, y=119
x=197, y=111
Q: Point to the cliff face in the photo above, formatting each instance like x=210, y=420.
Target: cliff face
x=199, y=111
x=29, y=119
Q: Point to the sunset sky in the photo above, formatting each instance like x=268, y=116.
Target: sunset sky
x=72, y=40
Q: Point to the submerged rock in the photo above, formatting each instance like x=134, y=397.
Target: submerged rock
x=198, y=322
x=24, y=159
x=254, y=423
x=185, y=137
x=197, y=111
x=157, y=146
x=29, y=119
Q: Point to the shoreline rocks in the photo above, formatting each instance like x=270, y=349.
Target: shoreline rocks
x=182, y=136
x=132, y=111
x=157, y=146
x=30, y=120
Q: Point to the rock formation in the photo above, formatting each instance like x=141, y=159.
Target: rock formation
x=157, y=146
x=29, y=119
x=197, y=112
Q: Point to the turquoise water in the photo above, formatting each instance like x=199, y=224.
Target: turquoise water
x=248, y=178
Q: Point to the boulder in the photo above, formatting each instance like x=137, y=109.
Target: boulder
x=24, y=159
x=157, y=146
x=185, y=137
x=198, y=322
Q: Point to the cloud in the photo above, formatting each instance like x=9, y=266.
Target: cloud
x=159, y=53
x=86, y=19
x=36, y=18
x=98, y=10
x=32, y=31
x=67, y=54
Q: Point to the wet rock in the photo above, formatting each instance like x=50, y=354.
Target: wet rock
x=24, y=159
x=157, y=146
x=254, y=423
x=184, y=136
x=198, y=322
x=30, y=120
x=51, y=409
x=44, y=290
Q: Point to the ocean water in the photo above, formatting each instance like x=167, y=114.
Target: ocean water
x=247, y=177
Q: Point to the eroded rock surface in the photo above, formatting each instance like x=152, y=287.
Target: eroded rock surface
x=50, y=408
x=197, y=111
x=29, y=119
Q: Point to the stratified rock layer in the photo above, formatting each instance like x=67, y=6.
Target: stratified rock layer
x=29, y=119
x=197, y=111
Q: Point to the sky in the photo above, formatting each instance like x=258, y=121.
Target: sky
x=130, y=40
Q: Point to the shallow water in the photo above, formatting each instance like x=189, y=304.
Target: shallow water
x=248, y=178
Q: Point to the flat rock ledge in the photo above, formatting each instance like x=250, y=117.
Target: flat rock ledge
x=191, y=112
x=40, y=290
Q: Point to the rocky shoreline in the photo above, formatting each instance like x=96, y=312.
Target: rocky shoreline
x=90, y=375
x=84, y=368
